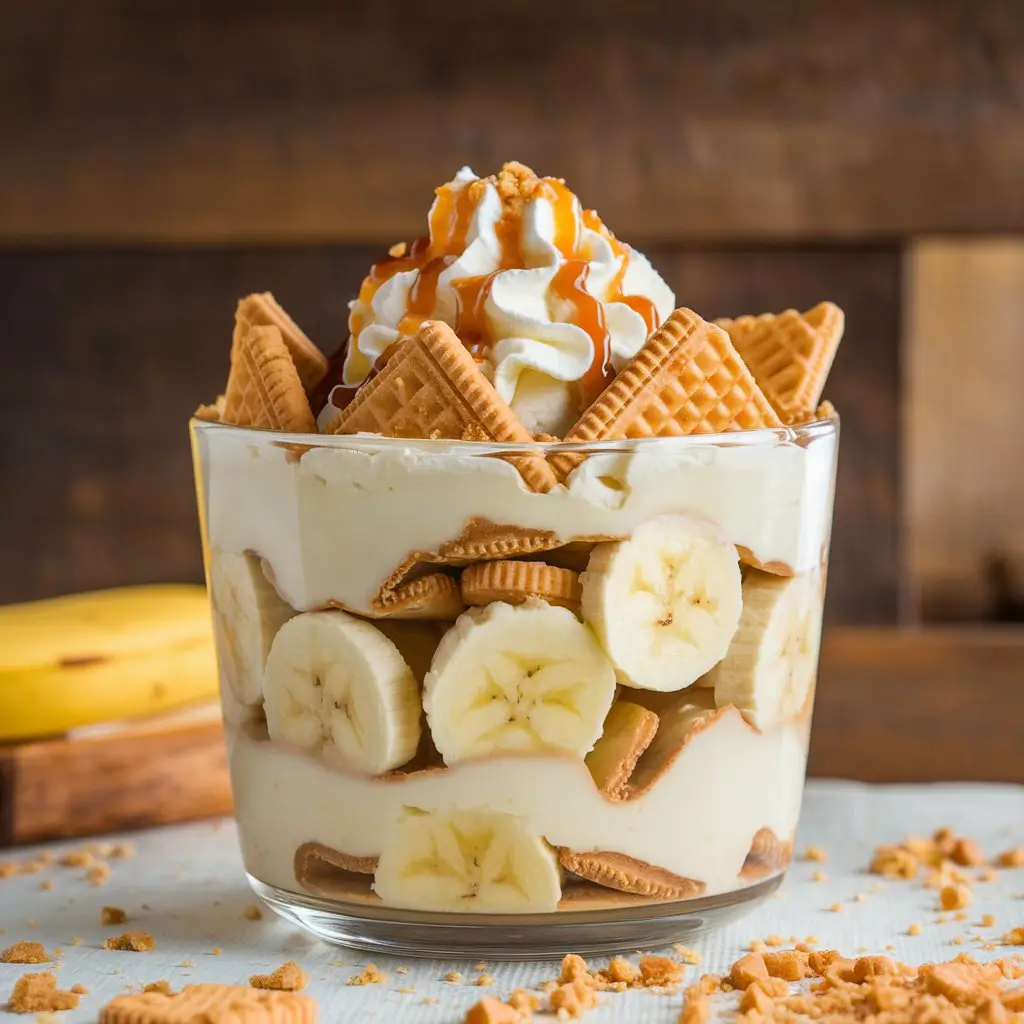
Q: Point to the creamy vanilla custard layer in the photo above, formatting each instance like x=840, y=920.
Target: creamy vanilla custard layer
x=335, y=523
x=697, y=820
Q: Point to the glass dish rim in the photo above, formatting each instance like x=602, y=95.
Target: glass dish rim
x=766, y=437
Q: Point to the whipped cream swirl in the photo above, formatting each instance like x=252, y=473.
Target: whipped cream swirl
x=550, y=302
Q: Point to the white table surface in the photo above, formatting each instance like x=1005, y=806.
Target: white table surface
x=186, y=888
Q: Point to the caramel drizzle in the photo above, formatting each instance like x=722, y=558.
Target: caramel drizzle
x=434, y=253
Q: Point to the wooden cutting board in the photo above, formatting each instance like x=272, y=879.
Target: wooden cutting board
x=105, y=779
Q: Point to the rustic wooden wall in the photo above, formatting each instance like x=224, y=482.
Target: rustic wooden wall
x=162, y=158
x=311, y=120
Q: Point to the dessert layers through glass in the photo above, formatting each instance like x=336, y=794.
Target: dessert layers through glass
x=448, y=694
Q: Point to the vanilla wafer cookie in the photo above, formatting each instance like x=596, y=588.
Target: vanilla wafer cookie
x=789, y=354
x=261, y=309
x=627, y=733
x=310, y=855
x=516, y=582
x=681, y=716
x=628, y=874
x=432, y=388
x=211, y=1004
x=264, y=389
x=482, y=539
x=767, y=854
x=479, y=540
x=435, y=596
x=687, y=379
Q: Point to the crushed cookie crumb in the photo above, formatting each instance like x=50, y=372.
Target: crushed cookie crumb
x=453, y=977
x=660, y=970
x=369, y=975
x=46, y=885
x=815, y=853
x=835, y=907
x=135, y=942
x=988, y=875
x=481, y=966
x=774, y=940
x=819, y=876
x=38, y=993
x=572, y=999
x=79, y=990
x=988, y=920
x=77, y=859
x=894, y=862
x=787, y=965
x=186, y=963
x=289, y=977
x=405, y=990
x=401, y=970
x=967, y=853
x=860, y=897
x=524, y=1002
x=161, y=985
x=483, y=980
x=954, y=897
x=252, y=913
x=1014, y=937
x=98, y=875
x=121, y=851
x=113, y=915
x=24, y=953
x=1011, y=858
x=747, y=970
x=914, y=929
x=491, y=1011
x=620, y=971
x=217, y=951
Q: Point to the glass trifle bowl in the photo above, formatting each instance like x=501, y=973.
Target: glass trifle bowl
x=465, y=714
x=518, y=595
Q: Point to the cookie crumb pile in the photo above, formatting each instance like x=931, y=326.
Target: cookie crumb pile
x=870, y=988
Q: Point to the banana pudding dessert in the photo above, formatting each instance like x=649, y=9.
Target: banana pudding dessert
x=518, y=595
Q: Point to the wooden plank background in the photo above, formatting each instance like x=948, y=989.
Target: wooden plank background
x=964, y=430
x=158, y=120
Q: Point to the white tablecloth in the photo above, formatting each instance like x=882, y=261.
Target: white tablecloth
x=185, y=886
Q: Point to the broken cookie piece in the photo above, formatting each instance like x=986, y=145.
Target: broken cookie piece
x=38, y=993
x=628, y=874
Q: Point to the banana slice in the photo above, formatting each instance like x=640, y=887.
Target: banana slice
x=336, y=685
x=664, y=603
x=473, y=861
x=770, y=668
x=247, y=613
x=517, y=677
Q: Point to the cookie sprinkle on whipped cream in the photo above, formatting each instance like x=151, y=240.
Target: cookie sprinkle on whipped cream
x=545, y=297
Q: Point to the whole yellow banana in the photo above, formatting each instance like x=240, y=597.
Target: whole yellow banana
x=95, y=657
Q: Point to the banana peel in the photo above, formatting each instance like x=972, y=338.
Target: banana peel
x=114, y=654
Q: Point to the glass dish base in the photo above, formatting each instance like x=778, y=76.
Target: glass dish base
x=520, y=937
